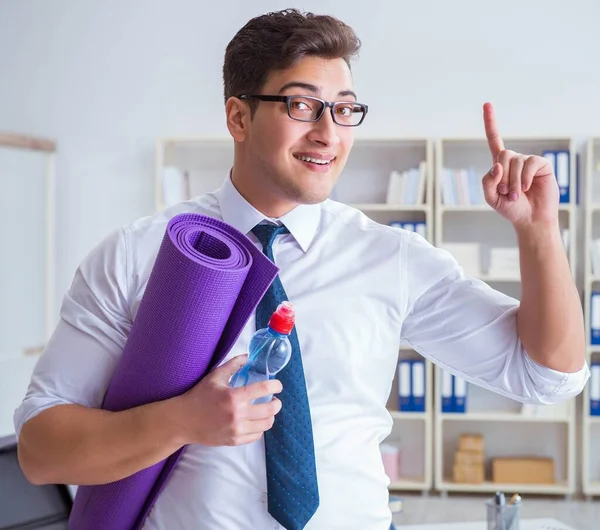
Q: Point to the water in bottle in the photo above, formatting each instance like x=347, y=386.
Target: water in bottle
x=269, y=350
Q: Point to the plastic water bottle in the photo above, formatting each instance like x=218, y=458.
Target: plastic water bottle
x=269, y=350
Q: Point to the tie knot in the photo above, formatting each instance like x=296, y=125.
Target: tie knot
x=266, y=234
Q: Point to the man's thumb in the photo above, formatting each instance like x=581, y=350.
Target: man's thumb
x=232, y=366
x=490, y=184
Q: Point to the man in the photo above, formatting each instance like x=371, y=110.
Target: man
x=358, y=288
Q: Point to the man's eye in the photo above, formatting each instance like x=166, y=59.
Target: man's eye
x=345, y=110
x=300, y=105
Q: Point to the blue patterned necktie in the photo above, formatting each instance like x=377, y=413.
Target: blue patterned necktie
x=293, y=492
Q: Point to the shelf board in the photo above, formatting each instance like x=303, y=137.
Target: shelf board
x=507, y=139
x=566, y=207
x=409, y=483
x=397, y=415
x=498, y=416
x=393, y=141
x=559, y=488
x=593, y=419
x=485, y=208
x=195, y=142
x=384, y=207
x=592, y=488
x=466, y=208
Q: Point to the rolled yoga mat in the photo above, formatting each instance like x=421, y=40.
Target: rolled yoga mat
x=205, y=283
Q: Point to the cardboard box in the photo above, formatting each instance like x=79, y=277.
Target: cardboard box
x=469, y=474
x=524, y=470
x=470, y=442
x=468, y=458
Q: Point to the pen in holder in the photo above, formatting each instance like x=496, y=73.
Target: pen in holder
x=502, y=515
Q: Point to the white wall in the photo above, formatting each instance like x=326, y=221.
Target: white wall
x=105, y=79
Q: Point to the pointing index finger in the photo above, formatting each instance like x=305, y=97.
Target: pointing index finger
x=494, y=139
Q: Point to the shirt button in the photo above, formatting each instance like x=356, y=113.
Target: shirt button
x=263, y=498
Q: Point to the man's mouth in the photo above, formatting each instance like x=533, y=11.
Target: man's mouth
x=313, y=160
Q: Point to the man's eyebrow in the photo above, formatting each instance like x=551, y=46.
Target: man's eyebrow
x=312, y=88
x=345, y=93
x=299, y=84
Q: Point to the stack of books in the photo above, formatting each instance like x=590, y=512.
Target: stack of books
x=407, y=187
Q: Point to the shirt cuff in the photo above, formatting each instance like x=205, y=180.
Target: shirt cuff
x=554, y=386
x=31, y=407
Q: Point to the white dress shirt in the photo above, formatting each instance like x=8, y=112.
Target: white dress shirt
x=358, y=287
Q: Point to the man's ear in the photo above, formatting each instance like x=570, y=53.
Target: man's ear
x=238, y=118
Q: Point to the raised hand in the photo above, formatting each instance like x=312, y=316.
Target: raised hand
x=521, y=188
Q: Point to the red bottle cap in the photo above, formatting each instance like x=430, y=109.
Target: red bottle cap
x=282, y=321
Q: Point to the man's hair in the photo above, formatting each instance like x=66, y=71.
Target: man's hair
x=276, y=41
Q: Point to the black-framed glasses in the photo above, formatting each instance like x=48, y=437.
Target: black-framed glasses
x=310, y=108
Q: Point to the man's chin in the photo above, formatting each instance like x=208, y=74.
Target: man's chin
x=314, y=196
x=312, y=190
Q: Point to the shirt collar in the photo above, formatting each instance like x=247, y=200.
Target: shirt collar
x=302, y=221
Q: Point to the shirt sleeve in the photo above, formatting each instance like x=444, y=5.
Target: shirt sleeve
x=82, y=353
x=470, y=330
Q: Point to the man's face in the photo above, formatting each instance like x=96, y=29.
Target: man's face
x=299, y=162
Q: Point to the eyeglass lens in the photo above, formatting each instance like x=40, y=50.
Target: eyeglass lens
x=308, y=109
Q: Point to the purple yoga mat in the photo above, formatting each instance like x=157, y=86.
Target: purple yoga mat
x=206, y=281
